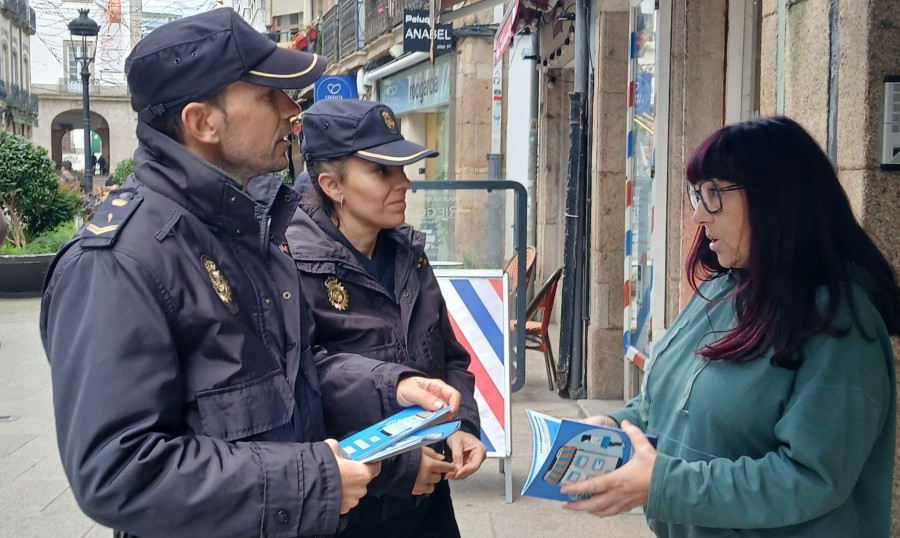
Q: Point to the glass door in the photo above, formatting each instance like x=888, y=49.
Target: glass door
x=640, y=172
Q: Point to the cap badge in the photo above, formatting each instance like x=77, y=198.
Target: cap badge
x=389, y=121
x=220, y=285
x=337, y=294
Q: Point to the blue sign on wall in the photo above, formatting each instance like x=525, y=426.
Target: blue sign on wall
x=335, y=87
x=643, y=93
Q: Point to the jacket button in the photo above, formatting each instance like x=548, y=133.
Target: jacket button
x=232, y=199
x=405, y=293
x=287, y=197
x=282, y=517
x=268, y=301
x=286, y=296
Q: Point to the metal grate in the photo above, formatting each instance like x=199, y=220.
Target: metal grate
x=350, y=34
x=378, y=18
x=329, y=32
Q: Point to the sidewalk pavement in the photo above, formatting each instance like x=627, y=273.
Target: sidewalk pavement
x=35, y=499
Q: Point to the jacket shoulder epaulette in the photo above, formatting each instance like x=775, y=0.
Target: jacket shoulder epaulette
x=110, y=218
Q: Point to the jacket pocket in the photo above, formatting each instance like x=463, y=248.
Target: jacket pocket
x=242, y=410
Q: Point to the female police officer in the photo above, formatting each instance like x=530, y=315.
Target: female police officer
x=372, y=292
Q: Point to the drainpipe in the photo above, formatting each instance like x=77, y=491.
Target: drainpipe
x=571, y=339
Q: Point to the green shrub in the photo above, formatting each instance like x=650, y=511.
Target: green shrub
x=124, y=169
x=46, y=243
x=29, y=189
x=60, y=207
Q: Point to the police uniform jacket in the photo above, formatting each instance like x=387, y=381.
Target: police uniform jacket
x=408, y=325
x=188, y=395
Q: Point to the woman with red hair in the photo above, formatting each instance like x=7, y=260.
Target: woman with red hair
x=773, y=393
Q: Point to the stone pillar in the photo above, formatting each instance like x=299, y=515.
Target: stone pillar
x=866, y=58
x=550, y=183
x=608, y=160
x=471, y=135
x=472, y=107
x=696, y=109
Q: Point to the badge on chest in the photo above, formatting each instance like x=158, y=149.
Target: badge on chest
x=337, y=294
x=219, y=283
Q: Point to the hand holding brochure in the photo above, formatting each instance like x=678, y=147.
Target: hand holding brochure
x=567, y=451
x=402, y=432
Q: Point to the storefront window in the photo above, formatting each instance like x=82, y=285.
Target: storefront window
x=640, y=173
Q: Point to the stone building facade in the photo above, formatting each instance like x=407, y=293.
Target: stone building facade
x=820, y=62
x=18, y=106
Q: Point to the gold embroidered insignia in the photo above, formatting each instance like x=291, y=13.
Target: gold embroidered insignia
x=100, y=230
x=220, y=285
x=389, y=121
x=109, y=217
x=337, y=294
x=119, y=202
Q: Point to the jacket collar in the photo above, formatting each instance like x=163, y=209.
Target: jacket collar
x=168, y=168
x=311, y=239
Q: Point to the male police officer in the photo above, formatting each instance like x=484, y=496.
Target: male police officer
x=188, y=397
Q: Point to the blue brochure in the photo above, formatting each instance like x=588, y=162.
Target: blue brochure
x=567, y=451
x=408, y=429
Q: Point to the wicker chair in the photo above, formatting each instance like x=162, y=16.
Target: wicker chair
x=538, y=314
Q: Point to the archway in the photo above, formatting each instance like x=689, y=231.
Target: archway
x=66, y=134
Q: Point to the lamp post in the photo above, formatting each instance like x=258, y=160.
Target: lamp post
x=270, y=34
x=84, y=27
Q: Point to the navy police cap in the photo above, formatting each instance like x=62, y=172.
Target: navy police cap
x=191, y=59
x=335, y=128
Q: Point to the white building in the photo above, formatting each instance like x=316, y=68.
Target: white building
x=256, y=12
x=56, y=72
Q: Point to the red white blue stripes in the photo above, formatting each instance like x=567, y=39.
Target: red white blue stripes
x=479, y=316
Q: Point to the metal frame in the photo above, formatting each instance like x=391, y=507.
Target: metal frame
x=519, y=244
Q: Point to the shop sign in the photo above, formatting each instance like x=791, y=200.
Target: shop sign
x=424, y=86
x=335, y=87
x=506, y=31
x=418, y=33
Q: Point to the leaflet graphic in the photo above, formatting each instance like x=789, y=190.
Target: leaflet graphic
x=404, y=431
x=567, y=451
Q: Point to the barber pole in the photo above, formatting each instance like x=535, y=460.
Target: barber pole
x=479, y=318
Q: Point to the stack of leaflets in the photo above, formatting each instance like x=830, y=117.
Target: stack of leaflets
x=408, y=429
x=567, y=451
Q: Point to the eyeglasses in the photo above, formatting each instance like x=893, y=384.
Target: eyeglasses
x=709, y=194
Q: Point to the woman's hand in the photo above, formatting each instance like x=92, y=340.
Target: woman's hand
x=468, y=454
x=622, y=489
x=431, y=394
x=431, y=467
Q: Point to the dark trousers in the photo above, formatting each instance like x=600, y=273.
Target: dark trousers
x=374, y=517
x=386, y=517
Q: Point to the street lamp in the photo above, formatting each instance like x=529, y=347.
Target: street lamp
x=84, y=27
x=270, y=34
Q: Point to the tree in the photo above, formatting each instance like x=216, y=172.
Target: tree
x=29, y=189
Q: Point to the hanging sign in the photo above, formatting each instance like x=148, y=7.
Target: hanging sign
x=506, y=31
x=418, y=34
